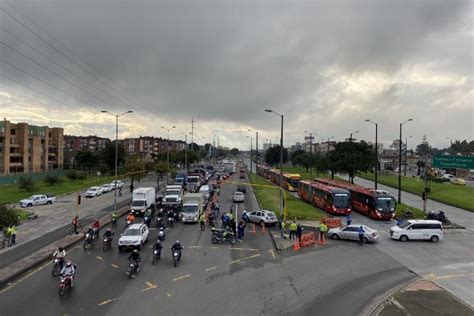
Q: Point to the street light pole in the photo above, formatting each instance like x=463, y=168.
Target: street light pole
x=250, y=153
x=281, y=160
x=376, y=151
x=406, y=155
x=400, y=162
x=168, y=144
x=116, y=151
x=311, y=152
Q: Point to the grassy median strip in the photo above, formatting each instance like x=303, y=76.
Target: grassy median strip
x=270, y=199
x=459, y=196
x=10, y=193
x=306, y=175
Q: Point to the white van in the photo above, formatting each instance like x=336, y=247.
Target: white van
x=418, y=230
x=204, y=190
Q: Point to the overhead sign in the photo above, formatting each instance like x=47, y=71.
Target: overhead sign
x=451, y=162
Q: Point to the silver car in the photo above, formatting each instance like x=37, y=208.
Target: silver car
x=351, y=232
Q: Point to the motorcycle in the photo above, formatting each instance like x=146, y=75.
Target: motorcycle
x=107, y=244
x=156, y=256
x=132, y=268
x=89, y=240
x=222, y=235
x=176, y=257
x=114, y=222
x=161, y=234
x=128, y=223
x=440, y=216
x=159, y=221
x=57, y=266
x=147, y=220
x=407, y=214
x=171, y=221
x=65, y=284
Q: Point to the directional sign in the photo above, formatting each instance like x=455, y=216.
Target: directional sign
x=451, y=162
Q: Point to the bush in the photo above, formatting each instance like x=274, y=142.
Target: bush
x=52, y=179
x=7, y=217
x=27, y=184
x=74, y=175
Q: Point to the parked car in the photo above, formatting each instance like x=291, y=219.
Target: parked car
x=106, y=188
x=119, y=184
x=242, y=188
x=261, y=216
x=37, y=199
x=238, y=197
x=134, y=237
x=93, y=192
x=418, y=230
x=458, y=181
x=351, y=232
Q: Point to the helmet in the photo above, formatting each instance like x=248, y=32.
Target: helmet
x=135, y=250
x=61, y=249
x=177, y=242
x=158, y=241
x=109, y=229
x=69, y=263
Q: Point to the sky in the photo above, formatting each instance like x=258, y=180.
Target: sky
x=325, y=65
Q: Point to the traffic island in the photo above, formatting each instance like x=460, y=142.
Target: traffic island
x=422, y=297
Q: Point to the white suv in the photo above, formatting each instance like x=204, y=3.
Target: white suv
x=134, y=237
x=94, y=191
x=418, y=230
x=238, y=197
x=261, y=216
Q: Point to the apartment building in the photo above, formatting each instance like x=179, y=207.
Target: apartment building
x=90, y=143
x=28, y=148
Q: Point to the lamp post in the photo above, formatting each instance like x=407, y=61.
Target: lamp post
x=311, y=137
x=406, y=154
x=400, y=162
x=116, y=150
x=376, y=151
x=251, y=145
x=281, y=159
x=328, y=142
x=256, y=149
x=168, y=144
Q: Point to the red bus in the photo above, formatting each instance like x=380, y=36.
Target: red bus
x=331, y=199
x=376, y=204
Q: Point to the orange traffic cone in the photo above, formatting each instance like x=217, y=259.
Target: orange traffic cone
x=296, y=246
x=263, y=228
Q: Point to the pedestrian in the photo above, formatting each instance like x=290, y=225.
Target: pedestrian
x=293, y=228
x=223, y=219
x=75, y=221
x=361, y=232
x=131, y=188
x=299, y=231
x=322, y=230
x=282, y=229
x=280, y=223
x=202, y=221
x=13, y=234
x=6, y=237
x=241, y=229
x=349, y=219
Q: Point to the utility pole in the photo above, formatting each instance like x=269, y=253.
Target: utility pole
x=256, y=149
x=192, y=133
x=311, y=152
x=186, y=154
x=400, y=162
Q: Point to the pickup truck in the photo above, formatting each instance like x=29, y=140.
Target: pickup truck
x=38, y=199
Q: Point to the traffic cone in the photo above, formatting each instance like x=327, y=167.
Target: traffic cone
x=322, y=241
x=296, y=245
x=253, y=229
x=263, y=228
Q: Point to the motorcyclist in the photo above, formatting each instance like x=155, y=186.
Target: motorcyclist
x=108, y=233
x=91, y=231
x=114, y=216
x=177, y=247
x=158, y=246
x=130, y=217
x=60, y=254
x=135, y=257
x=96, y=226
x=69, y=270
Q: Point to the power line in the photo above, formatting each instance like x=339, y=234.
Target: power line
x=44, y=40
x=52, y=61
x=26, y=86
x=53, y=72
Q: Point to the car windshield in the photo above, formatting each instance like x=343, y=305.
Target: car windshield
x=132, y=232
x=193, y=180
x=404, y=225
x=93, y=189
x=385, y=204
x=190, y=209
x=341, y=200
x=271, y=214
x=138, y=203
x=31, y=197
x=172, y=192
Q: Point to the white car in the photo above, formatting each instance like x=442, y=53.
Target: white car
x=37, y=199
x=238, y=196
x=106, y=188
x=119, y=184
x=351, y=232
x=93, y=192
x=261, y=217
x=134, y=237
x=418, y=230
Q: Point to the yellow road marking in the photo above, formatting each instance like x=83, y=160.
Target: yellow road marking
x=250, y=257
x=272, y=253
x=24, y=278
x=182, y=277
x=115, y=266
x=105, y=302
x=150, y=286
x=100, y=258
x=448, y=276
x=211, y=268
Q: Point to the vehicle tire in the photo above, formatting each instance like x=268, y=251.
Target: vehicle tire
x=403, y=238
x=215, y=240
x=120, y=249
x=365, y=240
x=335, y=236
x=84, y=245
x=61, y=291
x=175, y=263
x=154, y=260
x=261, y=222
x=130, y=272
x=49, y=202
x=55, y=272
x=434, y=238
x=29, y=205
x=140, y=247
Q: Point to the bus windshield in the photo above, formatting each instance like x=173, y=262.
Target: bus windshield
x=294, y=183
x=341, y=200
x=385, y=204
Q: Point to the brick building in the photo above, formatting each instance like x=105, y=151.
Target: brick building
x=90, y=143
x=28, y=148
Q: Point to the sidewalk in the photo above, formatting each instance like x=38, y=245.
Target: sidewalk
x=456, y=215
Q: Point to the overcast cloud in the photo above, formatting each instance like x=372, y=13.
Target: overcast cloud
x=325, y=65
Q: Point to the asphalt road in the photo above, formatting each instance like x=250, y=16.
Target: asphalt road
x=249, y=278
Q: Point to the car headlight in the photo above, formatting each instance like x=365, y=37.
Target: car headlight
x=195, y=218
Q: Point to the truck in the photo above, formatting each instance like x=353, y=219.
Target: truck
x=143, y=199
x=193, y=206
x=194, y=182
x=172, y=197
x=180, y=179
x=38, y=199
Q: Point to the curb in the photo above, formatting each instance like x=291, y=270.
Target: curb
x=44, y=254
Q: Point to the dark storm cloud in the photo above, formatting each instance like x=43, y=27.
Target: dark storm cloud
x=225, y=61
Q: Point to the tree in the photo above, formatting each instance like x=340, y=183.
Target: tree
x=53, y=179
x=351, y=157
x=135, y=168
x=107, y=156
x=272, y=156
x=87, y=160
x=27, y=184
x=234, y=151
x=294, y=156
x=424, y=148
x=8, y=217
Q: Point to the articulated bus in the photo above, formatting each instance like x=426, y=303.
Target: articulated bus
x=376, y=204
x=263, y=171
x=291, y=181
x=331, y=199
